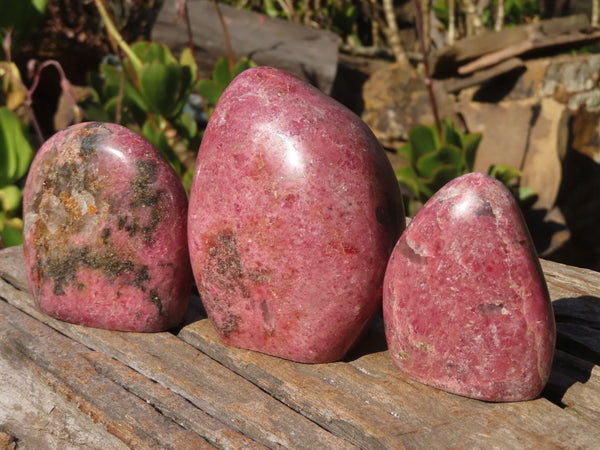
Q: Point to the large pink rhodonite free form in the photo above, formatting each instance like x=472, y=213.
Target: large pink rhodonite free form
x=294, y=211
x=465, y=303
x=105, y=231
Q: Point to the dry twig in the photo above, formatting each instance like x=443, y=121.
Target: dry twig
x=393, y=34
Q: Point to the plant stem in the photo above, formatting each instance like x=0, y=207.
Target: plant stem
x=65, y=85
x=499, y=23
x=114, y=34
x=186, y=16
x=226, y=36
x=393, y=34
x=428, y=81
x=7, y=44
x=451, y=36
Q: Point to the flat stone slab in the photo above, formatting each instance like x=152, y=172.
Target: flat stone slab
x=306, y=52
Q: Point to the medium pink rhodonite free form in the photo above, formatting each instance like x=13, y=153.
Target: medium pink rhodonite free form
x=294, y=211
x=465, y=303
x=105, y=238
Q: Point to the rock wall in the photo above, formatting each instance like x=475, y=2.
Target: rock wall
x=543, y=119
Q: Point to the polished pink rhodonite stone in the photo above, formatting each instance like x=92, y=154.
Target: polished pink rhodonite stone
x=105, y=237
x=465, y=303
x=294, y=211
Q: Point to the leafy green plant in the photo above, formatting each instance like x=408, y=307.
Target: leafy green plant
x=211, y=89
x=437, y=154
x=433, y=159
x=147, y=93
x=13, y=93
x=16, y=154
x=149, y=90
x=16, y=151
x=510, y=176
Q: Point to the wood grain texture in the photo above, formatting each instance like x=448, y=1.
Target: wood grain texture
x=370, y=402
x=64, y=366
x=179, y=367
x=165, y=389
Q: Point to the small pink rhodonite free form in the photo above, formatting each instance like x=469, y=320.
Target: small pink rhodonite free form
x=105, y=237
x=465, y=303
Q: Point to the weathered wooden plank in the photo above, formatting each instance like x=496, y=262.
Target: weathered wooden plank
x=309, y=53
x=181, y=368
x=570, y=384
x=456, y=84
x=172, y=405
x=33, y=415
x=570, y=282
x=571, y=381
x=364, y=399
x=493, y=46
x=369, y=401
x=61, y=364
x=533, y=43
x=575, y=296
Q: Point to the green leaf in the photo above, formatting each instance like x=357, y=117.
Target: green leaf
x=504, y=173
x=470, y=144
x=405, y=152
x=153, y=52
x=270, y=8
x=422, y=140
x=112, y=87
x=109, y=87
x=39, y=5
x=451, y=135
x=448, y=155
x=11, y=235
x=159, y=84
x=186, y=84
x=15, y=151
x=210, y=90
x=13, y=92
x=157, y=138
x=221, y=73
x=186, y=59
x=526, y=194
x=241, y=65
x=8, y=153
x=440, y=8
x=408, y=178
x=10, y=197
x=441, y=176
x=186, y=125
x=96, y=113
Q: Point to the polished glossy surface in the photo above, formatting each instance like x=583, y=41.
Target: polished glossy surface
x=105, y=231
x=465, y=303
x=294, y=211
